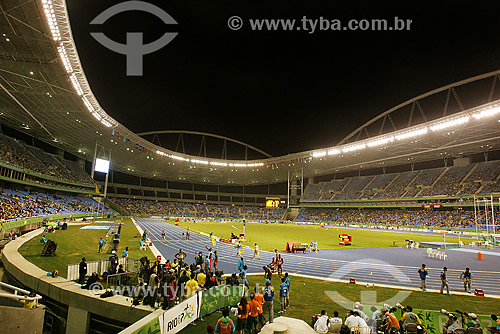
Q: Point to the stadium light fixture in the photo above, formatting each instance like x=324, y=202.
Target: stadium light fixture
x=196, y=161
x=89, y=106
x=355, y=147
x=334, y=152
x=96, y=115
x=106, y=123
x=319, y=154
x=64, y=57
x=76, y=84
x=449, y=123
x=215, y=163
x=381, y=141
x=487, y=112
x=412, y=133
x=51, y=19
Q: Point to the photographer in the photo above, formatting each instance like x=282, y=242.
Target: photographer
x=410, y=318
x=473, y=322
x=452, y=324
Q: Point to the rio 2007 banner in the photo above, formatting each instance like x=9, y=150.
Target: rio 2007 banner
x=171, y=321
x=175, y=319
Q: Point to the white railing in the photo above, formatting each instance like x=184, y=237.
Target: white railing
x=435, y=254
x=24, y=296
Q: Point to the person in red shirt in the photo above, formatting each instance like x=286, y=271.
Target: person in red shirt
x=243, y=310
x=171, y=295
x=260, y=299
x=254, y=314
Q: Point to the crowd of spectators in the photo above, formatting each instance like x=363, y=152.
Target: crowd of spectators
x=200, y=210
x=18, y=154
x=394, y=217
x=23, y=204
x=397, y=319
x=480, y=178
x=180, y=277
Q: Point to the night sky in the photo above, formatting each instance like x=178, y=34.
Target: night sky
x=282, y=91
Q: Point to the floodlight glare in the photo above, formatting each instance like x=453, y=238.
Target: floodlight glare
x=353, y=148
x=333, y=151
x=319, y=154
x=101, y=165
x=449, y=123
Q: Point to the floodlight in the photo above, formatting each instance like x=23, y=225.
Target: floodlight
x=101, y=165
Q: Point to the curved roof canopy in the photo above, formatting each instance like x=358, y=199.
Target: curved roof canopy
x=44, y=92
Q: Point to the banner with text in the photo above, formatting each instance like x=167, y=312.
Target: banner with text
x=181, y=315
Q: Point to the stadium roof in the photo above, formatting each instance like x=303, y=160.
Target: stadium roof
x=44, y=92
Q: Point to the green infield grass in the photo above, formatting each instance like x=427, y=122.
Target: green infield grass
x=275, y=236
x=75, y=243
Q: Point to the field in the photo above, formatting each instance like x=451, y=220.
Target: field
x=308, y=297
x=275, y=236
x=75, y=243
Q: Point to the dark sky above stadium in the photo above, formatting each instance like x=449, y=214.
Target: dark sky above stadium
x=282, y=91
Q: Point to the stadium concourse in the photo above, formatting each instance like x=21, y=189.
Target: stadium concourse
x=395, y=267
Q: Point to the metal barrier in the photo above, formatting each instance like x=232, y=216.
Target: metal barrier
x=20, y=295
x=127, y=278
x=74, y=270
x=102, y=266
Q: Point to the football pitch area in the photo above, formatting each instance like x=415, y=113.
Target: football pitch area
x=275, y=236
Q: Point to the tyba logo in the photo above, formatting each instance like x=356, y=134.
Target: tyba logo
x=134, y=49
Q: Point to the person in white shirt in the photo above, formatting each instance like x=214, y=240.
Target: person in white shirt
x=351, y=320
x=362, y=326
x=361, y=321
x=321, y=325
x=336, y=319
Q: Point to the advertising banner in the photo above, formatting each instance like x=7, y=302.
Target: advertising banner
x=181, y=315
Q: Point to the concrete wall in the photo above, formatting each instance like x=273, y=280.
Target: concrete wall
x=67, y=292
x=21, y=320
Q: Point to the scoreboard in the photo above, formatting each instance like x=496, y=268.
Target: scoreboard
x=272, y=202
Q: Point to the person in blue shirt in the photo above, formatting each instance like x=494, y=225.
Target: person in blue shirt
x=444, y=281
x=163, y=235
x=43, y=240
x=101, y=244
x=283, y=295
x=287, y=281
x=268, y=293
x=422, y=271
x=241, y=264
x=466, y=276
x=125, y=252
x=187, y=234
x=238, y=248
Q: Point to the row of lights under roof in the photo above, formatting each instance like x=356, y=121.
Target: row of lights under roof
x=207, y=162
x=437, y=126
x=63, y=54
